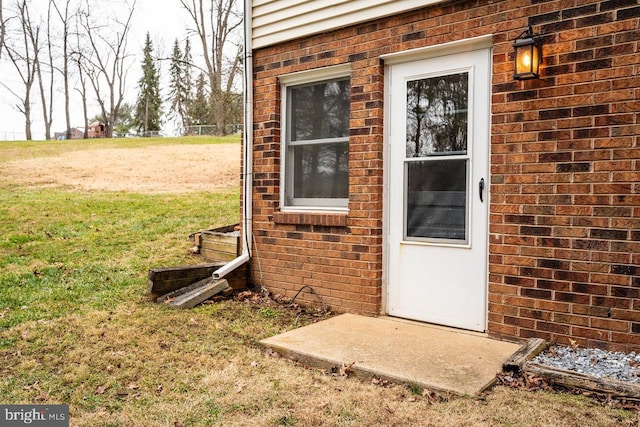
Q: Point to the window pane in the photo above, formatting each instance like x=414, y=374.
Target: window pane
x=437, y=115
x=321, y=170
x=320, y=111
x=436, y=199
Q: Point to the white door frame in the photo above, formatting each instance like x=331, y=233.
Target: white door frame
x=467, y=45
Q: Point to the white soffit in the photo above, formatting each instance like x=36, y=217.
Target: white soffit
x=275, y=21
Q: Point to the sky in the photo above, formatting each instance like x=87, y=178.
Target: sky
x=164, y=19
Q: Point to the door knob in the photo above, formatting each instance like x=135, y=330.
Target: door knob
x=481, y=188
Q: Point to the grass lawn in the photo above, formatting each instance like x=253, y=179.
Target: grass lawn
x=75, y=327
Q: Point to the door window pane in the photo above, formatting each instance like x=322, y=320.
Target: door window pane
x=437, y=115
x=436, y=199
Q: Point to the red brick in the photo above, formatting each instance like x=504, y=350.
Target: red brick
x=590, y=333
x=610, y=324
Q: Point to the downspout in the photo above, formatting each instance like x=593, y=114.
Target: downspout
x=247, y=152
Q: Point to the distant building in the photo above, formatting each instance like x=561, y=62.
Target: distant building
x=75, y=134
x=96, y=130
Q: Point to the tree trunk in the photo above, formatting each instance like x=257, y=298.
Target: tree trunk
x=2, y=29
x=45, y=113
x=27, y=117
x=64, y=18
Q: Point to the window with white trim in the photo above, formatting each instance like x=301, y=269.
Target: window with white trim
x=316, y=140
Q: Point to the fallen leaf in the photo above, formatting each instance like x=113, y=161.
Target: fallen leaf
x=33, y=386
x=244, y=295
x=193, y=322
x=42, y=397
x=380, y=382
x=133, y=386
x=270, y=353
x=101, y=389
x=3, y=312
x=345, y=369
x=169, y=300
x=159, y=389
x=254, y=364
x=574, y=344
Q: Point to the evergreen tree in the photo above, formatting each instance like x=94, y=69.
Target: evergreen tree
x=187, y=75
x=200, y=110
x=176, y=88
x=149, y=103
x=180, y=84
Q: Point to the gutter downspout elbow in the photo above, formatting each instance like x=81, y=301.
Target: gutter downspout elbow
x=231, y=265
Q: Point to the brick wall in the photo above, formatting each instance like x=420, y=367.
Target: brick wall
x=564, y=251
x=338, y=255
x=565, y=211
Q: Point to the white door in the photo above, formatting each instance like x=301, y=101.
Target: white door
x=437, y=199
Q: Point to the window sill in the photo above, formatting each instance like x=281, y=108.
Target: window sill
x=311, y=218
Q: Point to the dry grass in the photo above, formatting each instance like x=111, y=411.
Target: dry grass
x=149, y=365
x=75, y=328
x=19, y=150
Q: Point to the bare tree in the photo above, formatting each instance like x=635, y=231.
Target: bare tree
x=2, y=28
x=23, y=54
x=78, y=56
x=108, y=64
x=47, y=105
x=215, y=23
x=65, y=20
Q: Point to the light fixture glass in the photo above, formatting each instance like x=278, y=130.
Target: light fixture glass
x=528, y=55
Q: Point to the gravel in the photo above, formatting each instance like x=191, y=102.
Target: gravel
x=592, y=361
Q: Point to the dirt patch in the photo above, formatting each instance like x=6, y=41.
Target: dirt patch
x=153, y=169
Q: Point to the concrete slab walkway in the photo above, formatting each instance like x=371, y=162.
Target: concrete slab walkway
x=434, y=357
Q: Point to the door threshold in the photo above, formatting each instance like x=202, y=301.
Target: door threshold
x=435, y=326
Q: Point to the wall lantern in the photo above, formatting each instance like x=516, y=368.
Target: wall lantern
x=528, y=55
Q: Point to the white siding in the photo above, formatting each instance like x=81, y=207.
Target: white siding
x=275, y=21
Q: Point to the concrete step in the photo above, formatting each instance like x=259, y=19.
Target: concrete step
x=433, y=357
